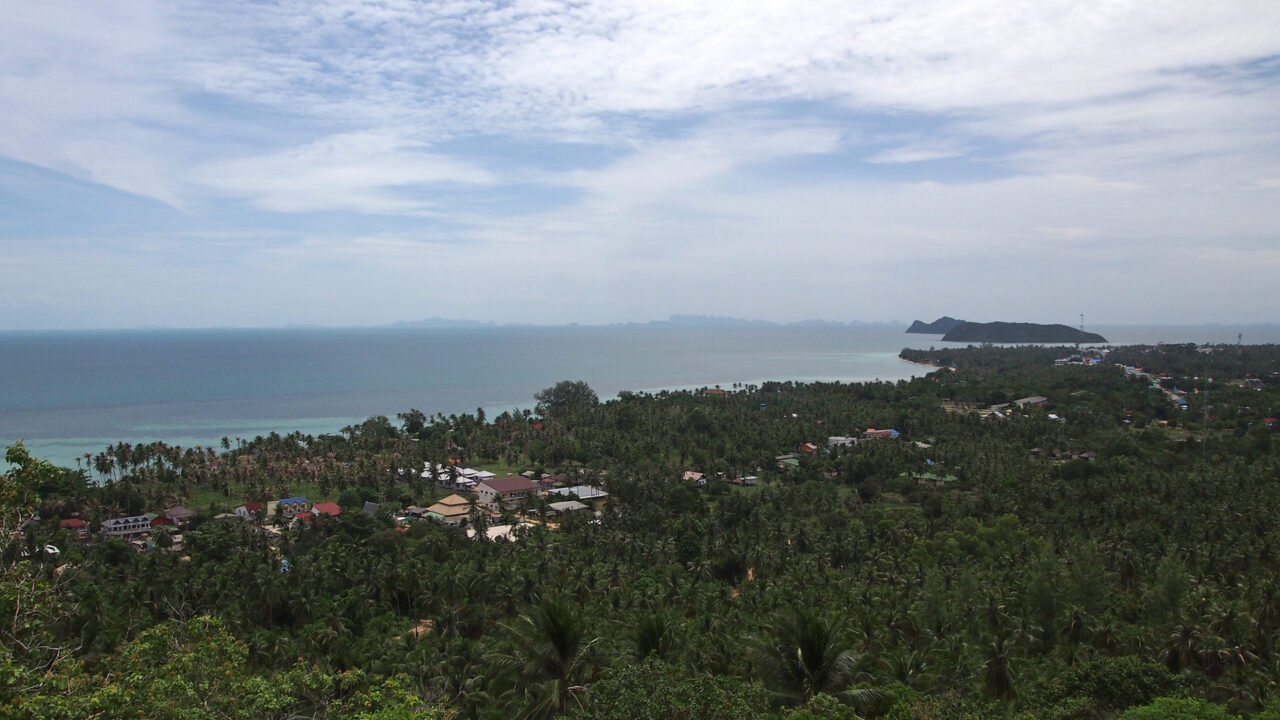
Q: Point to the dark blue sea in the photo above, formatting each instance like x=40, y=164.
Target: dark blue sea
x=75, y=392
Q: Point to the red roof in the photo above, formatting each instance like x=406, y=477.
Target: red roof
x=74, y=523
x=326, y=508
x=253, y=507
x=515, y=483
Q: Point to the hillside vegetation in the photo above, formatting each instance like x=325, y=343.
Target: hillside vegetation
x=1012, y=332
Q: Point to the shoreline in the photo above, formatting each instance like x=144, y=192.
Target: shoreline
x=922, y=364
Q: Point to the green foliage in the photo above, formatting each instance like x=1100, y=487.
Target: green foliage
x=948, y=706
x=1107, y=685
x=551, y=658
x=388, y=701
x=822, y=707
x=1178, y=709
x=18, y=486
x=654, y=690
x=804, y=654
x=566, y=399
x=196, y=670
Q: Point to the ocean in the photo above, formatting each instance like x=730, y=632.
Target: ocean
x=67, y=393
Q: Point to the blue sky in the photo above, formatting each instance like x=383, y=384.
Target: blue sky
x=337, y=163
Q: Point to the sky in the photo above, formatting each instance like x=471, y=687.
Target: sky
x=196, y=164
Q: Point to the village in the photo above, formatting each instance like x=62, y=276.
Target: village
x=481, y=501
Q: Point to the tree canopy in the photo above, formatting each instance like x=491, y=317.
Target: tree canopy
x=566, y=399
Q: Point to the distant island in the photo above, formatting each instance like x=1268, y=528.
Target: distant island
x=941, y=326
x=1010, y=332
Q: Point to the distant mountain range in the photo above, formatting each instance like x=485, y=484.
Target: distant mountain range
x=439, y=322
x=673, y=321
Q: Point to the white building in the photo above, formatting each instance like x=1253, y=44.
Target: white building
x=126, y=526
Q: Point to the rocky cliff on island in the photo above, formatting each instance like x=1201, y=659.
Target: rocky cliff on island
x=941, y=326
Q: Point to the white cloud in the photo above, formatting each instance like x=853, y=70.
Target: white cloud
x=84, y=76
x=668, y=170
x=363, y=172
x=916, y=152
x=1120, y=130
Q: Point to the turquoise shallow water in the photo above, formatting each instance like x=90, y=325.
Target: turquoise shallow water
x=68, y=393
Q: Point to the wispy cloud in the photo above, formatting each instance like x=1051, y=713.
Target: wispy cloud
x=364, y=172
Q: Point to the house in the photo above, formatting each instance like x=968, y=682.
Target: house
x=180, y=516
x=695, y=477
x=1033, y=401
x=507, y=492
x=76, y=527
x=549, y=481
x=292, y=507
x=326, y=508
x=452, y=510
x=841, y=441
x=585, y=493
x=126, y=526
x=593, y=496
x=808, y=447
x=370, y=508
x=566, y=506
x=504, y=532
x=451, y=477
x=746, y=480
x=874, y=434
x=250, y=511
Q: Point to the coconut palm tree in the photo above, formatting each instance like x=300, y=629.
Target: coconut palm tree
x=652, y=634
x=997, y=671
x=804, y=653
x=551, y=658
